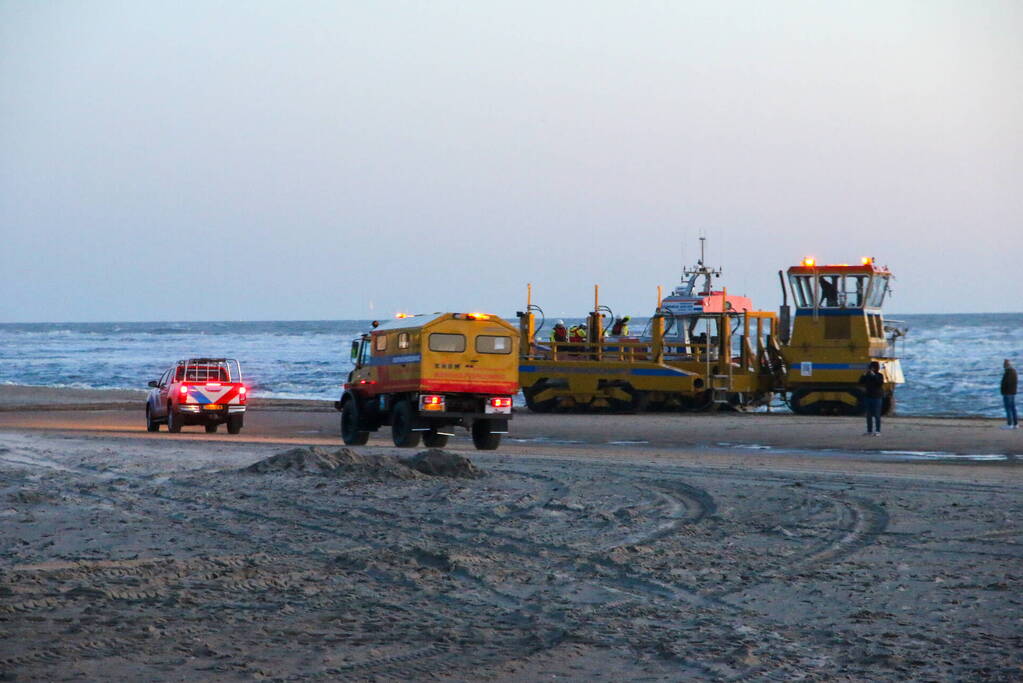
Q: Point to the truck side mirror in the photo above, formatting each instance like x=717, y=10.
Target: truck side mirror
x=153, y=383
x=355, y=351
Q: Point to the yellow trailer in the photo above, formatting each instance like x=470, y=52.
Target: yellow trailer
x=704, y=349
x=425, y=374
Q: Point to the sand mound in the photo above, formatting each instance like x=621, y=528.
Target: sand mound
x=314, y=459
x=438, y=463
x=346, y=462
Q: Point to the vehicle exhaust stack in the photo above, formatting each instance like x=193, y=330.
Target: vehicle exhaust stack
x=784, y=313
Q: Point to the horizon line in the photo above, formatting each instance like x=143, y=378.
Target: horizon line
x=323, y=320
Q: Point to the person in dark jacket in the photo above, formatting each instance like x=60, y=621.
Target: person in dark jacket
x=1009, y=380
x=873, y=389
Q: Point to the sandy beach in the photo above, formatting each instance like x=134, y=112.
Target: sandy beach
x=611, y=547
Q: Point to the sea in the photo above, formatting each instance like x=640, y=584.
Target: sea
x=952, y=363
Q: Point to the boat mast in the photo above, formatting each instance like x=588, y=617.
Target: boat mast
x=701, y=270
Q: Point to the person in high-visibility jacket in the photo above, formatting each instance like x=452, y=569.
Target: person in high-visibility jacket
x=577, y=334
x=621, y=327
x=560, y=332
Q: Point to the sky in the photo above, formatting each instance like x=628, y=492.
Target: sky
x=291, y=161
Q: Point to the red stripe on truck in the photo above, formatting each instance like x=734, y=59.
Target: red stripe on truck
x=471, y=387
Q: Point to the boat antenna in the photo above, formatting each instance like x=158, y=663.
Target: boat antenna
x=701, y=271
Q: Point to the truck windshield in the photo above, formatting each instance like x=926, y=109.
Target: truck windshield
x=831, y=290
x=854, y=295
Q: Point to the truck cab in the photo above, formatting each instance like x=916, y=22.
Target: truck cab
x=424, y=375
x=837, y=330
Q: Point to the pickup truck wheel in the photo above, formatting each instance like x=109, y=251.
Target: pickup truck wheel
x=234, y=424
x=211, y=429
x=401, y=426
x=482, y=438
x=350, y=432
x=151, y=424
x=174, y=421
x=432, y=439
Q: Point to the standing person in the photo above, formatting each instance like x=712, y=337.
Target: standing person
x=873, y=385
x=1009, y=380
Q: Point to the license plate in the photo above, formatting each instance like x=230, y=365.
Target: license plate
x=211, y=406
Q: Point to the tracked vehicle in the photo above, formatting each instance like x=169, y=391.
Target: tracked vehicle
x=704, y=349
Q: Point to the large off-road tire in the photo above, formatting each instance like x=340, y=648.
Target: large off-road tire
x=174, y=421
x=538, y=406
x=826, y=407
x=350, y=432
x=888, y=405
x=482, y=436
x=211, y=428
x=640, y=400
x=234, y=424
x=432, y=439
x=402, y=421
x=621, y=405
x=151, y=424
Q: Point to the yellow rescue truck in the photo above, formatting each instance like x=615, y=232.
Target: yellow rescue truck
x=425, y=374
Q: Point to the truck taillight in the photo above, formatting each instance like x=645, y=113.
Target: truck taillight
x=431, y=402
x=183, y=389
x=242, y=393
x=501, y=402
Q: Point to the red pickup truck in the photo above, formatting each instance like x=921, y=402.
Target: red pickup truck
x=198, y=391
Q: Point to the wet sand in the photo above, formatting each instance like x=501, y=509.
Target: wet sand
x=120, y=413
x=657, y=547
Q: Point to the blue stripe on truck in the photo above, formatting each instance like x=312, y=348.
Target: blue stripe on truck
x=832, y=366
x=658, y=372
x=396, y=360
